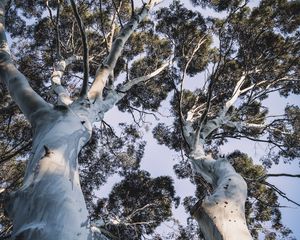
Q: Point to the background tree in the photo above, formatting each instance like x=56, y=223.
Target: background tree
x=256, y=56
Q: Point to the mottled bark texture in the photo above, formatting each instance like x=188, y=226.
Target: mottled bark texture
x=50, y=204
x=221, y=215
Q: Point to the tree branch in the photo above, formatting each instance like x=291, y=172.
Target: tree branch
x=102, y=26
x=26, y=98
x=58, y=71
x=108, y=65
x=4, y=158
x=278, y=175
x=114, y=96
x=215, y=123
x=186, y=122
x=57, y=30
x=282, y=194
x=84, y=89
x=138, y=80
x=56, y=26
x=117, y=9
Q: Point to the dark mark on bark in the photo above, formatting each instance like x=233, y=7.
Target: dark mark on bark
x=47, y=151
x=62, y=108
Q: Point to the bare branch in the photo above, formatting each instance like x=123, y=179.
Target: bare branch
x=132, y=8
x=138, y=80
x=108, y=65
x=272, y=83
x=183, y=122
x=57, y=30
x=282, y=175
x=102, y=26
x=140, y=209
x=84, y=89
x=278, y=175
x=200, y=42
x=117, y=9
x=56, y=26
x=282, y=194
x=58, y=71
x=215, y=123
x=50, y=13
x=5, y=158
x=21, y=92
x=114, y=96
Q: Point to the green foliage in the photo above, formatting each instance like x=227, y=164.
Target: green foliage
x=137, y=205
x=218, y=5
x=107, y=154
x=262, y=205
x=184, y=28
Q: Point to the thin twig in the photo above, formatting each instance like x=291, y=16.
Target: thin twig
x=282, y=194
x=132, y=8
x=102, y=27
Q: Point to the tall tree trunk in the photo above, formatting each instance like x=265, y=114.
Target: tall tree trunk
x=50, y=204
x=221, y=215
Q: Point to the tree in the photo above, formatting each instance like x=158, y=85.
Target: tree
x=256, y=56
x=73, y=58
x=60, y=130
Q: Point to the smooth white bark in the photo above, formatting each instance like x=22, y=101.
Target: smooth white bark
x=108, y=65
x=26, y=98
x=50, y=204
x=221, y=215
x=56, y=77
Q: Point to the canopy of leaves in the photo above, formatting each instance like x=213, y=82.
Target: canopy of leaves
x=137, y=205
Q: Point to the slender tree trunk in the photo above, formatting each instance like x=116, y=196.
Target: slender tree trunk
x=50, y=204
x=221, y=215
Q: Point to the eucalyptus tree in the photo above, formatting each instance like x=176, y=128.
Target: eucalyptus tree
x=50, y=203
x=258, y=54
